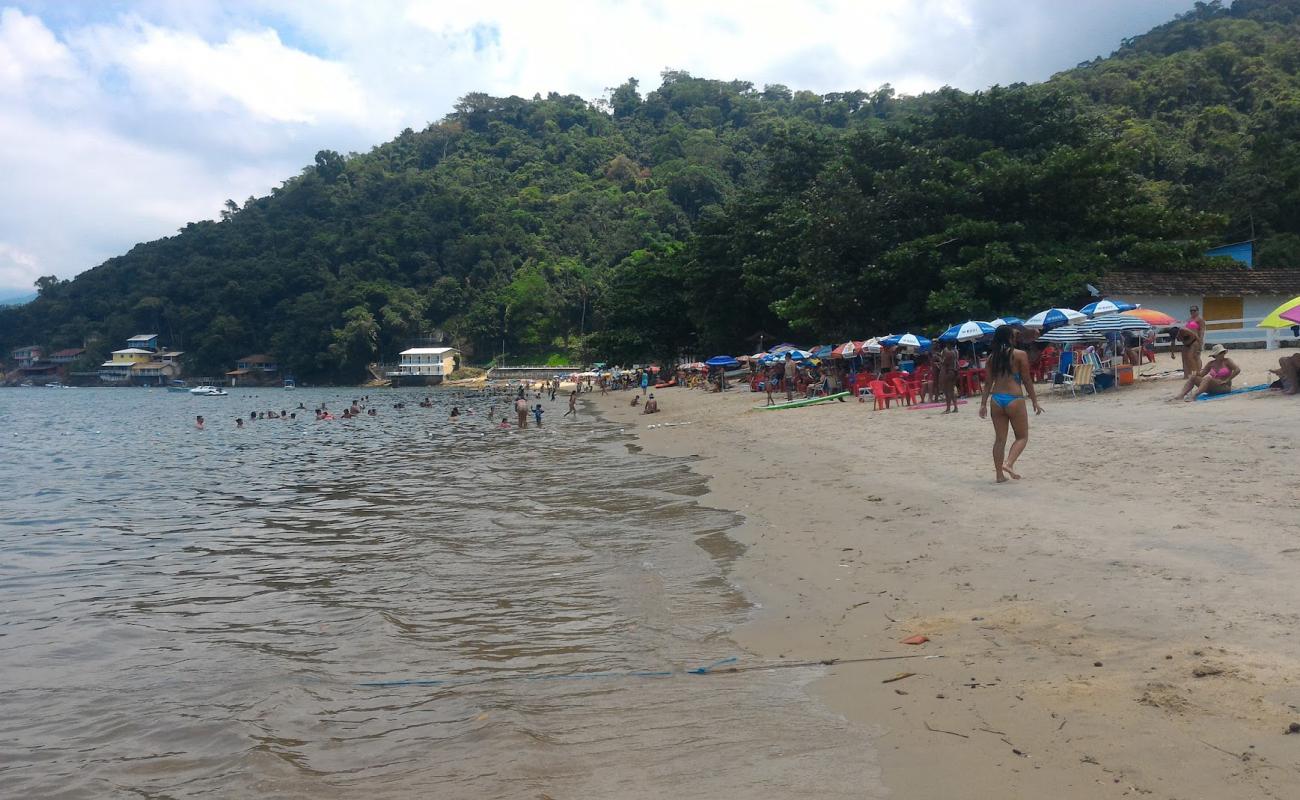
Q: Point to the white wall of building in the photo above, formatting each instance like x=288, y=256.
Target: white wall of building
x=1253, y=307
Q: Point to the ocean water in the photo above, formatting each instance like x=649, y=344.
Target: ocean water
x=195, y=613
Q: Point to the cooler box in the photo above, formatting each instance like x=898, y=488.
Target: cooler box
x=1124, y=374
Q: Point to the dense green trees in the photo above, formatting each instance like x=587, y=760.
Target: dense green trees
x=700, y=214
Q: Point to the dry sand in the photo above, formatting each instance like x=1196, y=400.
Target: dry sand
x=1121, y=622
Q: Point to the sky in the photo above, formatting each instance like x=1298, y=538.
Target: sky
x=122, y=120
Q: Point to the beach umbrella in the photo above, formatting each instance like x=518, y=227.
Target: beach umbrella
x=822, y=351
x=1000, y=321
x=1054, y=318
x=1103, y=307
x=906, y=340
x=1070, y=334
x=968, y=331
x=871, y=345
x=1284, y=316
x=722, y=361
x=1156, y=319
x=848, y=349
x=1115, y=322
x=784, y=347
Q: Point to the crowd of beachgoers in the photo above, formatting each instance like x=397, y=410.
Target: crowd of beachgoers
x=1104, y=345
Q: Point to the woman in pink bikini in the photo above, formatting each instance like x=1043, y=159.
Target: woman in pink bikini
x=1215, y=378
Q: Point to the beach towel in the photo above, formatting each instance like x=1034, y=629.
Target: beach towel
x=1243, y=390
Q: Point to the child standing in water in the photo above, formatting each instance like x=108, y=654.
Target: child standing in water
x=537, y=414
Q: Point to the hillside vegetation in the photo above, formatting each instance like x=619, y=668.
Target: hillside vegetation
x=706, y=211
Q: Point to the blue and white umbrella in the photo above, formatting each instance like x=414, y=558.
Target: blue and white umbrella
x=1070, y=334
x=1103, y=307
x=797, y=355
x=722, y=361
x=1000, y=321
x=824, y=351
x=1054, y=318
x=1115, y=322
x=906, y=340
x=968, y=331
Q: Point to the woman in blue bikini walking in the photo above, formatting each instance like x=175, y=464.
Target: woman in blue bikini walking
x=1006, y=365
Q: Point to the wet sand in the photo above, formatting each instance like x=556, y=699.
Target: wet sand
x=1121, y=622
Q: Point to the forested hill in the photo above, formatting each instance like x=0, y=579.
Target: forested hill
x=707, y=211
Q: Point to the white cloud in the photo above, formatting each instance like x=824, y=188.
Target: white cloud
x=120, y=126
x=251, y=68
x=17, y=268
x=29, y=51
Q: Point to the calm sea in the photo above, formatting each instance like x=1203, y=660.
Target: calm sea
x=193, y=613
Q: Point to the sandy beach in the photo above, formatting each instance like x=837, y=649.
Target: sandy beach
x=1121, y=622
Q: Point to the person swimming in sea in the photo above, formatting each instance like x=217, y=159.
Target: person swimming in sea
x=455, y=412
x=505, y=424
x=239, y=422
x=1006, y=366
x=198, y=422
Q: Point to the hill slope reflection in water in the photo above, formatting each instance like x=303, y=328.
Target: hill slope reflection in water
x=190, y=613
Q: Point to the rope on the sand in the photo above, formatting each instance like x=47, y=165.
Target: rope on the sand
x=709, y=669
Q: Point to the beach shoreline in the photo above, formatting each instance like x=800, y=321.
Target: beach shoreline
x=1117, y=623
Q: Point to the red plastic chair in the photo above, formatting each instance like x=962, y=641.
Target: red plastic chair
x=862, y=384
x=906, y=393
x=882, y=393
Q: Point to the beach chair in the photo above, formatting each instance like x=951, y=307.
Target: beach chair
x=1080, y=378
x=1062, y=370
x=862, y=386
x=906, y=394
x=1041, y=368
x=882, y=393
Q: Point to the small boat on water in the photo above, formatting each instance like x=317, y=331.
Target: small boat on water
x=290, y=383
x=57, y=385
x=178, y=387
x=209, y=391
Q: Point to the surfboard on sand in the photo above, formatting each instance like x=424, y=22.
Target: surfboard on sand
x=811, y=401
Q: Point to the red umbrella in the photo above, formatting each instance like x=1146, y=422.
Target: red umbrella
x=848, y=349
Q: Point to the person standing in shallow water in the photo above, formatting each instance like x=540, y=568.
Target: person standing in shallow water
x=521, y=411
x=573, y=405
x=1007, y=365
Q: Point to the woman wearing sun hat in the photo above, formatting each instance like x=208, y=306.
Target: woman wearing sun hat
x=1214, y=378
